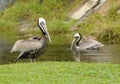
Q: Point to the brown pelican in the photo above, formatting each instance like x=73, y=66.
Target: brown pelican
x=33, y=47
x=78, y=45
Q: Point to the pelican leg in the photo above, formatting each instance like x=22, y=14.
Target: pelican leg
x=19, y=56
x=32, y=60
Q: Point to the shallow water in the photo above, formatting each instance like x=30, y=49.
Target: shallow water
x=59, y=51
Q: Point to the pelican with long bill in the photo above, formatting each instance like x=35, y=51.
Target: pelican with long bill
x=33, y=47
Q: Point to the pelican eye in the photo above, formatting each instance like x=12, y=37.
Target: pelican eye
x=76, y=37
x=42, y=23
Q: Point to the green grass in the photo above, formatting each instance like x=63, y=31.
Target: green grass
x=59, y=73
x=52, y=10
x=28, y=11
x=105, y=27
x=58, y=22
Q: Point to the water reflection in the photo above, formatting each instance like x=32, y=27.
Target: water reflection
x=60, y=52
x=108, y=54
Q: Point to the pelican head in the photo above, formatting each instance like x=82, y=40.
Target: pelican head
x=76, y=39
x=77, y=35
x=42, y=26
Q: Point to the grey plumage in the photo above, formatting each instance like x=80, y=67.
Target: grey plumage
x=79, y=45
x=87, y=44
x=33, y=47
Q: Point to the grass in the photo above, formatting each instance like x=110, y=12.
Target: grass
x=58, y=22
x=105, y=27
x=59, y=73
x=28, y=11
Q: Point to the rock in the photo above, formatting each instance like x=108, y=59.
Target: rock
x=5, y=3
x=118, y=12
x=84, y=9
x=87, y=9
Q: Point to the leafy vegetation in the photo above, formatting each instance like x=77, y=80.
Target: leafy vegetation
x=60, y=73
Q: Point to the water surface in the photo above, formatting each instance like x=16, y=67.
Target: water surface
x=60, y=52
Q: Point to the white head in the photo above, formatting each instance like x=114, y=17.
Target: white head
x=42, y=26
x=77, y=35
x=42, y=20
x=76, y=39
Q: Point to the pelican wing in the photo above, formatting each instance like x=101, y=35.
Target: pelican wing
x=89, y=44
x=35, y=38
x=26, y=45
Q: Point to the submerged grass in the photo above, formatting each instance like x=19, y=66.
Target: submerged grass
x=59, y=73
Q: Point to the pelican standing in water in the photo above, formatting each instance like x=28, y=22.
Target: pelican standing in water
x=33, y=47
x=79, y=45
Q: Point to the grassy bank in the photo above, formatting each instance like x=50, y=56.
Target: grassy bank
x=104, y=24
x=59, y=73
x=28, y=11
x=23, y=14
